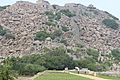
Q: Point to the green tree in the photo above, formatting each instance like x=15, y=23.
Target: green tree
x=6, y=73
x=58, y=59
x=94, y=53
x=116, y=54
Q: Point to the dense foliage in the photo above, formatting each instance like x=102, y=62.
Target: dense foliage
x=116, y=54
x=93, y=53
x=3, y=7
x=67, y=13
x=65, y=29
x=2, y=31
x=56, y=33
x=41, y=35
x=56, y=59
x=53, y=16
x=6, y=73
x=110, y=23
x=115, y=18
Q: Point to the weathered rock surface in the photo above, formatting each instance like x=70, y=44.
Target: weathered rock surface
x=23, y=19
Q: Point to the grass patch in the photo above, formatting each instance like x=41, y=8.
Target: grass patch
x=60, y=76
x=109, y=77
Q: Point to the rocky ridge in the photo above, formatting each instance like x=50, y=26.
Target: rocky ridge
x=23, y=20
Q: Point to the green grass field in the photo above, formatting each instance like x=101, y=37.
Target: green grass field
x=59, y=76
x=109, y=77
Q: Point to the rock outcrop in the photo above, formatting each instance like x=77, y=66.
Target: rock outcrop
x=23, y=20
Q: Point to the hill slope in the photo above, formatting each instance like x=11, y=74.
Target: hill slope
x=28, y=28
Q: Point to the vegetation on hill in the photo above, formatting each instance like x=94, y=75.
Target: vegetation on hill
x=6, y=73
x=110, y=23
x=3, y=7
x=116, y=54
x=2, y=31
x=55, y=59
x=115, y=18
x=68, y=13
x=42, y=35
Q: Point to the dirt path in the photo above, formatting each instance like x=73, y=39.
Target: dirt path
x=23, y=78
x=88, y=76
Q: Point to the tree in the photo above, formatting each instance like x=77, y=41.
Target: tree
x=116, y=54
x=58, y=59
x=94, y=53
x=6, y=73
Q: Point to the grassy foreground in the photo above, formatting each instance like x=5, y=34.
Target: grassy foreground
x=59, y=76
x=109, y=77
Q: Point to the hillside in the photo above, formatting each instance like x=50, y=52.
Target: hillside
x=28, y=28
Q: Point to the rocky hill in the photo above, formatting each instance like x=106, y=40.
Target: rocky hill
x=28, y=28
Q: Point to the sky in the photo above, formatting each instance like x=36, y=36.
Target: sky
x=111, y=6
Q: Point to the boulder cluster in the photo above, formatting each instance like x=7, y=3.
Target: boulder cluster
x=23, y=20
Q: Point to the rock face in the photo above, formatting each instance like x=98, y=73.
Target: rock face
x=23, y=19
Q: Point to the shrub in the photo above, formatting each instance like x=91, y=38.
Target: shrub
x=67, y=13
x=41, y=36
x=65, y=29
x=93, y=53
x=3, y=7
x=115, y=18
x=2, y=31
x=50, y=23
x=52, y=16
x=110, y=23
x=57, y=59
x=32, y=69
x=56, y=33
x=58, y=16
x=64, y=42
x=49, y=13
x=116, y=54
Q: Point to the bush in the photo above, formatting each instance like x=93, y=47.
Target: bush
x=116, y=54
x=115, y=18
x=2, y=31
x=56, y=33
x=64, y=42
x=52, y=16
x=3, y=7
x=57, y=59
x=58, y=16
x=32, y=69
x=50, y=23
x=93, y=53
x=65, y=29
x=41, y=36
x=67, y=13
x=110, y=23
